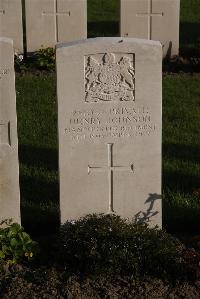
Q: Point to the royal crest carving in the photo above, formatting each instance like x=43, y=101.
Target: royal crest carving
x=109, y=77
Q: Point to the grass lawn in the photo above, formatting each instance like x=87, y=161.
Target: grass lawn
x=37, y=128
x=181, y=145
x=190, y=26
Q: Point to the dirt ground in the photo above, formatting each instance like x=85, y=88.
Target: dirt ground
x=22, y=282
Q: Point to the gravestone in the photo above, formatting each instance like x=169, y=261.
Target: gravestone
x=11, y=22
x=51, y=21
x=9, y=170
x=153, y=20
x=109, y=112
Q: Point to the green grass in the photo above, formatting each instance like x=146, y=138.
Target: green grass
x=190, y=26
x=181, y=147
x=37, y=126
x=103, y=18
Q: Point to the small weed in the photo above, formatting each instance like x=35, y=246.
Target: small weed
x=20, y=64
x=45, y=59
x=15, y=244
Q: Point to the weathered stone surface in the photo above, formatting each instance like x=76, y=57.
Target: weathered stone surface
x=154, y=20
x=51, y=21
x=9, y=169
x=11, y=22
x=109, y=110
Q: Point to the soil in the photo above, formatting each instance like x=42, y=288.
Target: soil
x=22, y=282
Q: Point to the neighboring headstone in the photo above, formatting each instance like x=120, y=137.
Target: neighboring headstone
x=109, y=111
x=51, y=21
x=154, y=20
x=11, y=22
x=9, y=169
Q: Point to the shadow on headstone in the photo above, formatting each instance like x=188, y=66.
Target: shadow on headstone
x=169, y=52
x=145, y=216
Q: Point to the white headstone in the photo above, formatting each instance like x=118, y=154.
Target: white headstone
x=153, y=20
x=51, y=21
x=9, y=169
x=109, y=111
x=11, y=22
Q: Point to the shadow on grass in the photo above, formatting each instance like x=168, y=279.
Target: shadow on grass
x=38, y=222
x=39, y=205
x=190, y=39
x=37, y=191
x=188, y=65
x=181, y=206
x=39, y=157
x=178, y=218
x=39, y=196
x=182, y=152
x=180, y=182
x=103, y=28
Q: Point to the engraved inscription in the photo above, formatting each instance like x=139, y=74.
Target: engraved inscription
x=5, y=133
x=109, y=77
x=116, y=122
x=110, y=168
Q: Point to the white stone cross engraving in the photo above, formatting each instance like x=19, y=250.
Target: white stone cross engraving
x=5, y=133
x=110, y=168
x=150, y=15
x=56, y=14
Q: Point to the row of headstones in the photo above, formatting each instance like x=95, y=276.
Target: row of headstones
x=109, y=119
x=51, y=21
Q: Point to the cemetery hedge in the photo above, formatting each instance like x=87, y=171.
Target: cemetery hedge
x=106, y=245
x=58, y=271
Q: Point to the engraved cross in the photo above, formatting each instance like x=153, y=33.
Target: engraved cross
x=110, y=168
x=56, y=15
x=150, y=15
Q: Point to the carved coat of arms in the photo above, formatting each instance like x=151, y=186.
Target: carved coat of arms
x=109, y=79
